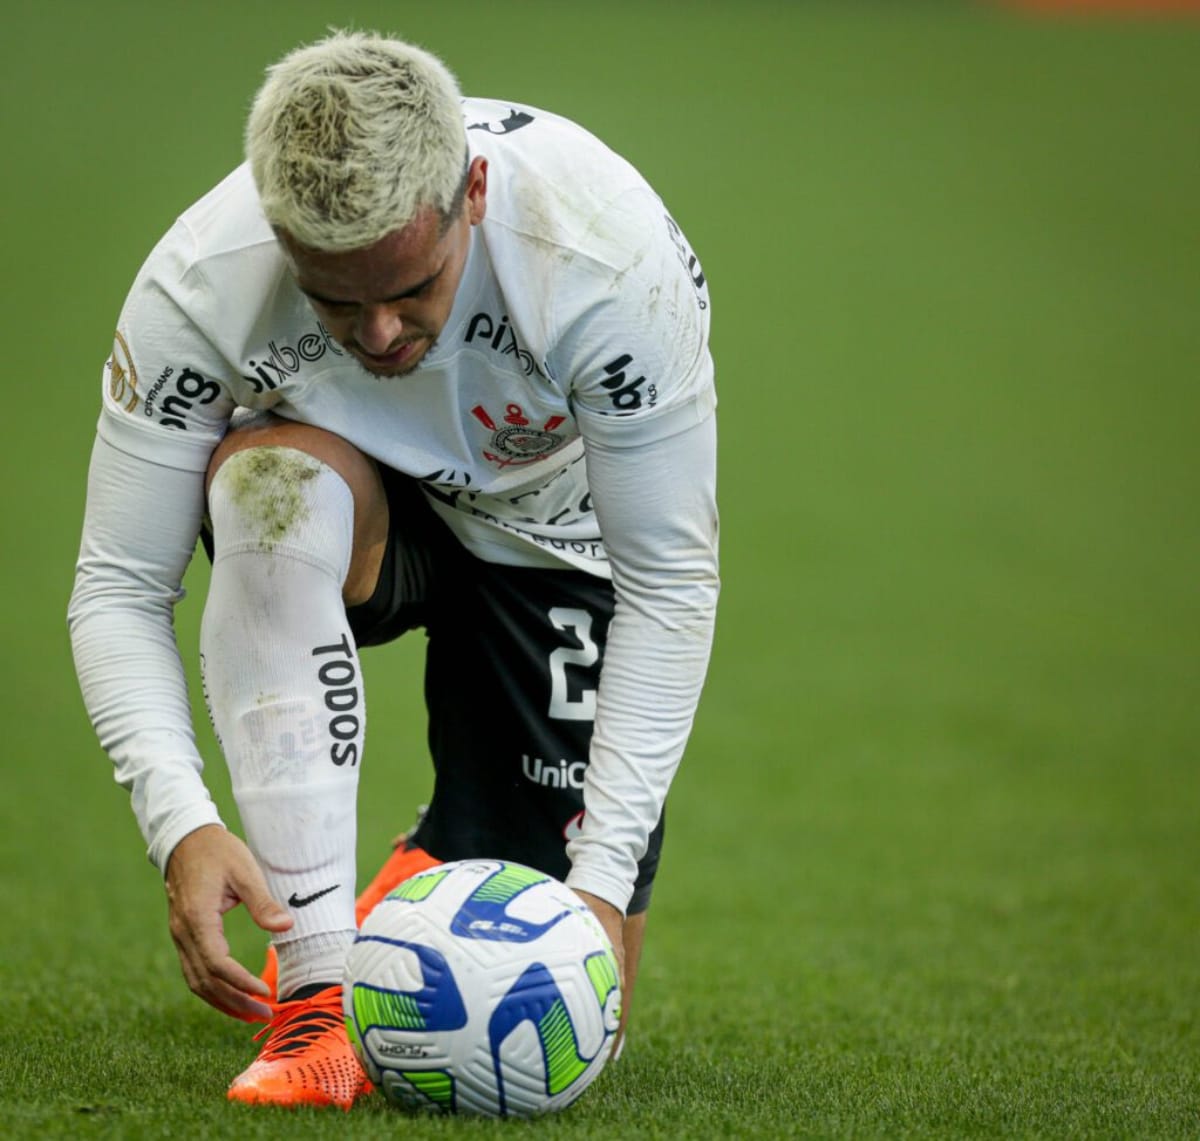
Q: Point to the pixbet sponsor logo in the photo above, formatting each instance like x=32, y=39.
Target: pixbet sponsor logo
x=498, y=335
x=267, y=370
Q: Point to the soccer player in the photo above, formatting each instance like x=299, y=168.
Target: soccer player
x=422, y=361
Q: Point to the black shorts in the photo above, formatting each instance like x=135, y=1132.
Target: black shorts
x=510, y=685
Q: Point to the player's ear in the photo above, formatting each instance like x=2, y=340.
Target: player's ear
x=477, y=190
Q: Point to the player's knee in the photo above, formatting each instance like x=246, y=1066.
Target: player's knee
x=265, y=430
x=275, y=457
x=283, y=503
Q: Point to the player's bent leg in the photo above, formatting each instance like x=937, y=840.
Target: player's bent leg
x=290, y=533
x=275, y=651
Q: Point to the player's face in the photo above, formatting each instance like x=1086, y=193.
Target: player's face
x=386, y=304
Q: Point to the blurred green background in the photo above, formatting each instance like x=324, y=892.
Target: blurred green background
x=934, y=854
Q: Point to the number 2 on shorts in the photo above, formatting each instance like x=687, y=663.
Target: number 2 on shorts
x=586, y=654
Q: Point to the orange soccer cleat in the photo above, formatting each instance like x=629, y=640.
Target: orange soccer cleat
x=307, y=1058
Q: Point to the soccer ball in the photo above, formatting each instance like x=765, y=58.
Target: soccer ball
x=482, y=986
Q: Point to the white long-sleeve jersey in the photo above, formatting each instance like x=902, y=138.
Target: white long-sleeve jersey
x=565, y=417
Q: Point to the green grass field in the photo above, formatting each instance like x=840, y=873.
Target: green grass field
x=933, y=865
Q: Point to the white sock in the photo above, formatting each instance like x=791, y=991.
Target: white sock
x=284, y=689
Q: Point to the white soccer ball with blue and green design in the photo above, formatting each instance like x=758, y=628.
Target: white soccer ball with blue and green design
x=482, y=986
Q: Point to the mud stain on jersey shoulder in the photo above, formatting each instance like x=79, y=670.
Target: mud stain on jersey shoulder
x=265, y=484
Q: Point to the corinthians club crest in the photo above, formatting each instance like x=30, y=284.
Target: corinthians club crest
x=516, y=441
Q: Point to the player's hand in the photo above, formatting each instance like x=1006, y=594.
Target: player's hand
x=613, y=923
x=209, y=872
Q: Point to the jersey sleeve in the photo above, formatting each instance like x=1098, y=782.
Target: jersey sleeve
x=632, y=342
x=166, y=389
x=641, y=379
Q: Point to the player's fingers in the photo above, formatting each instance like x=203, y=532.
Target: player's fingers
x=228, y=972
x=191, y=961
x=264, y=908
x=212, y=982
x=223, y=982
x=210, y=970
x=190, y=974
x=229, y=1000
x=232, y=999
x=612, y=920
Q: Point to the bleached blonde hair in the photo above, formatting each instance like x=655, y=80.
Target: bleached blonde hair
x=351, y=137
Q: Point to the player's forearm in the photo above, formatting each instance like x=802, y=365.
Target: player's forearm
x=135, y=695
x=645, y=709
x=139, y=529
x=658, y=512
